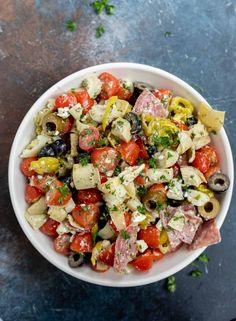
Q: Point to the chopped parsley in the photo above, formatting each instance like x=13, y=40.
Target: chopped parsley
x=169, y=155
x=140, y=161
x=193, y=135
x=152, y=162
x=171, y=184
x=107, y=185
x=114, y=208
x=125, y=235
x=197, y=197
x=64, y=191
x=163, y=141
x=162, y=177
x=84, y=160
x=141, y=209
x=99, y=31
x=122, y=179
x=142, y=190
x=196, y=273
x=171, y=284
x=103, y=141
x=120, y=123
x=71, y=25
x=85, y=207
x=159, y=206
x=117, y=171
x=203, y=258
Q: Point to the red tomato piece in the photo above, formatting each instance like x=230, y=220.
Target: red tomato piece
x=68, y=124
x=210, y=152
x=157, y=255
x=89, y=138
x=128, y=218
x=89, y=196
x=58, y=195
x=86, y=215
x=103, y=178
x=25, y=166
x=151, y=236
x=62, y=244
x=32, y=194
x=129, y=151
x=110, y=85
x=157, y=187
x=105, y=159
x=201, y=162
x=181, y=126
x=212, y=170
x=142, y=150
x=49, y=227
x=143, y=262
x=124, y=93
x=42, y=182
x=162, y=94
x=84, y=99
x=65, y=100
x=107, y=255
x=82, y=243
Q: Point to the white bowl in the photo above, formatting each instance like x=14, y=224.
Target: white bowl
x=172, y=263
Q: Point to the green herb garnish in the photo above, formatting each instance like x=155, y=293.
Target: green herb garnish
x=109, y=10
x=100, y=6
x=64, y=191
x=162, y=141
x=140, y=161
x=142, y=190
x=107, y=185
x=100, y=31
x=125, y=235
x=71, y=25
x=120, y=123
x=162, y=177
x=169, y=155
x=114, y=208
x=122, y=179
x=196, y=273
x=203, y=258
x=84, y=160
x=141, y=209
x=171, y=284
x=152, y=162
x=117, y=171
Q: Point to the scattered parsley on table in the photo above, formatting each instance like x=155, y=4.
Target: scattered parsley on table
x=71, y=25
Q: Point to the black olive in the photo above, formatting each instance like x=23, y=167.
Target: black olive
x=75, y=260
x=135, y=122
x=66, y=180
x=218, y=182
x=47, y=151
x=139, y=87
x=59, y=147
x=174, y=203
x=152, y=150
x=190, y=121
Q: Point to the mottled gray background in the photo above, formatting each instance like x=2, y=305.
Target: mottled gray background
x=35, y=52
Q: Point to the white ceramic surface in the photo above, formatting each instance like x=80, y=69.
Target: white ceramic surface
x=171, y=263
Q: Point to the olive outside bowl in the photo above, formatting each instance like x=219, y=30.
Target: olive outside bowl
x=171, y=263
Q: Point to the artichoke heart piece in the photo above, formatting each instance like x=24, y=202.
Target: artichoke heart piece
x=192, y=176
x=197, y=198
x=212, y=119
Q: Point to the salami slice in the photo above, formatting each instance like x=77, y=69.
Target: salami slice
x=190, y=228
x=125, y=248
x=174, y=240
x=148, y=103
x=207, y=234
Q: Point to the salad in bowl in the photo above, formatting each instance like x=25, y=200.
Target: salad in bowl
x=122, y=173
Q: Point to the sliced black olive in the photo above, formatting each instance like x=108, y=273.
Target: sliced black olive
x=135, y=122
x=218, y=182
x=75, y=260
x=190, y=121
x=59, y=147
x=47, y=151
x=174, y=203
x=139, y=87
x=152, y=150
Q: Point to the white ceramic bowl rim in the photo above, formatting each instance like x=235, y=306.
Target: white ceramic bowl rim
x=142, y=279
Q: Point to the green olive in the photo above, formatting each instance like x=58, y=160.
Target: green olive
x=210, y=209
x=52, y=124
x=153, y=199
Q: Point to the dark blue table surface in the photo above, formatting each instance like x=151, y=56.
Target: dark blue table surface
x=36, y=51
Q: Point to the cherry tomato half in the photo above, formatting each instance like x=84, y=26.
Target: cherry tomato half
x=105, y=159
x=124, y=93
x=210, y=152
x=201, y=162
x=129, y=151
x=62, y=244
x=143, y=262
x=65, y=100
x=82, y=243
x=107, y=255
x=25, y=165
x=86, y=215
x=49, y=227
x=151, y=236
x=84, y=99
x=68, y=124
x=142, y=150
x=32, y=194
x=110, y=85
x=58, y=195
x=89, y=196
